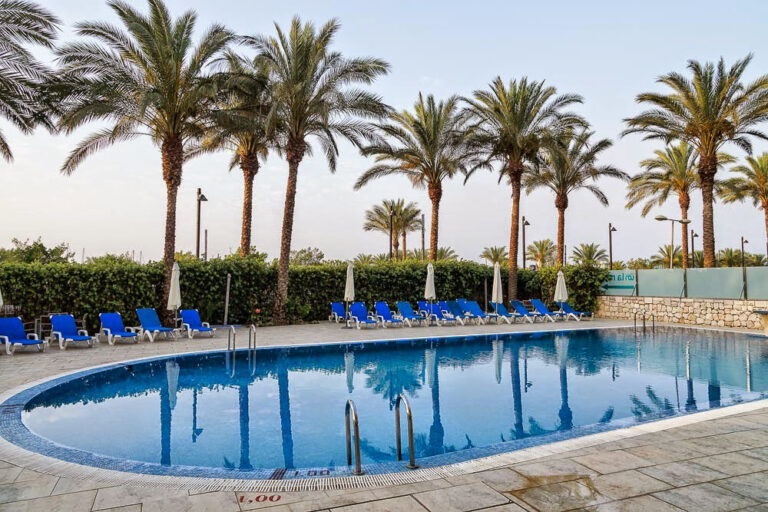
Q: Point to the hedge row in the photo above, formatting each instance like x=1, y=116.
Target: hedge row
x=38, y=289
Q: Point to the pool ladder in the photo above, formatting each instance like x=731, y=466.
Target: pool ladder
x=351, y=413
x=409, y=417
x=252, y=349
x=230, y=355
x=645, y=315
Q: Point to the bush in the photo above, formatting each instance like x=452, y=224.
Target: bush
x=92, y=288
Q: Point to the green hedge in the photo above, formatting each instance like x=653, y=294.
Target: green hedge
x=92, y=288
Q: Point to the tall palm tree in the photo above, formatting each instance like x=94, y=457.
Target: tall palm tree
x=404, y=218
x=671, y=172
x=661, y=258
x=495, y=254
x=570, y=164
x=312, y=98
x=542, y=252
x=729, y=257
x=239, y=125
x=427, y=146
x=752, y=184
x=510, y=124
x=707, y=111
x=146, y=78
x=589, y=254
x=21, y=75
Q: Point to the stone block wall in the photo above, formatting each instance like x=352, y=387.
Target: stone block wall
x=708, y=312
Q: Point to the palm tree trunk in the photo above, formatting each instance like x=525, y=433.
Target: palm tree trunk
x=395, y=245
x=515, y=176
x=561, y=203
x=765, y=212
x=405, y=253
x=684, y=229
x=435, y=194
x=172, y=151
x=707, y=170
x=250, y=166
x=294, y=154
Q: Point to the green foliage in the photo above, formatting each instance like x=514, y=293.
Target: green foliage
x=35, y=252
x=307, y=256
x=93, y=288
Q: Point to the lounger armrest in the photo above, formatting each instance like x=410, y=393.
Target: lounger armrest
x=82, y=332
x=206, y=324
x=5, y=339
x=186, y=326
x=136, y=330
x=379, y=318
x=106, y=331
x=34, y=336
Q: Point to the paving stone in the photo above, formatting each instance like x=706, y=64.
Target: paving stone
x=259, y=500
x=753, y=486
x=712, y=445
x=401, y=504
x=9, y=474
x=704, y=498
x=208, y=502
x=682, y=473
x=401, y=490
x=627, y=484
x=73, y=502
x=665, y=452
x=735, y=463
x=638, y=504
x=67, y=485
x=27, y=490
x=751, y=438
x=540, y=473
x=509, y=507
x=127, y=508
x=503, y=480
x=562, y=496
x=612, y=462
x=118, y=496
x=461, y=498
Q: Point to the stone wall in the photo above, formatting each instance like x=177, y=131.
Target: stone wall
x=710, y=312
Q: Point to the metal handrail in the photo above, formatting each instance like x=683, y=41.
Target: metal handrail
x=231, y=351
x=411, y=450
x=645, y=315
x=231, y=339
x=252, y=348
x=349, y=409
x=638, y=312
x=653, y=323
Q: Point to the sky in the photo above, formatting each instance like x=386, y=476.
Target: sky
x=606, y=51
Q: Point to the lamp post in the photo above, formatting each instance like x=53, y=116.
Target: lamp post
x=743, y=241
x=611, y=230
x=200, y=199
x=694, y=236
x=423, y=250
x=205, y=246
x=525, y=223
x=662, y=218
x=391, y=214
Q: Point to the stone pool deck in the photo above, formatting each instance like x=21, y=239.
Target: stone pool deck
x=714, y=460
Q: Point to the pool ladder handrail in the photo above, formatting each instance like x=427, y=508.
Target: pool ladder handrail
x=645, y=314
x=411, y=449
x=252, y=349
x=349, y=410
x=231, y=349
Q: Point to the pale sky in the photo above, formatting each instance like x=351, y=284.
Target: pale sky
x=606, y=51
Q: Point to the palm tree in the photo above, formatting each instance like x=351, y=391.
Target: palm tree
x=589, y=254
x=427, y=146
x=671, y=172
x=239, y=126
x=21, y=75
x=404, y=217
x=145, y=80
x=570, y=164
x=752, y=184
x=446, y=254
x=756, y=260
x=510, y=124
x=729, y=257
x=311, y=97
x=364, y=259
x=661, y=258
x=495, y=254
x=542, y=251
x=712, y=108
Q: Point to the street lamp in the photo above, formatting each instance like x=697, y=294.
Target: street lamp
x=200, y=199
x=662, y=218
x=525, y=223
x=743, y=241
x=391, y=215
x=693, y=249
x=423, y=249
x=611, y=230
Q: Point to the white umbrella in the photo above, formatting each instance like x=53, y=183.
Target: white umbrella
x=497, y=296
x=561, y=292
x=1, y=298
x=349, y=369
x=172, y=374
x=174, y=297
x=349, y=290
x=429, y=288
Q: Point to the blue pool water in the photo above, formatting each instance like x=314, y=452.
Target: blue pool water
x=284, y=416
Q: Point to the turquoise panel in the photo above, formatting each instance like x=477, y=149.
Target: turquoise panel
x=660, y=283
x=757, y=282
x=715, y=283
x=621, y=282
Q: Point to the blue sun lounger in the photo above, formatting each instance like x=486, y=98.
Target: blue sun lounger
x=190, y=322
x=359, y=313
x=384, y=314
x=472, y=307
x=64, y=329
x=577, y=315
x=408, y=315
x=338, y=313
x=455, y=310
x=151, y=326
x=521, y=310
x=435, y=311
x=12, y=335
x=112, y=327
x=544, y=310
x=502, y=312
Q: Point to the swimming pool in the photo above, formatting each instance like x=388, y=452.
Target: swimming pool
x=282, y=417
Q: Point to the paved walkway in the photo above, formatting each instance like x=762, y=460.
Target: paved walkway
x=718, y=464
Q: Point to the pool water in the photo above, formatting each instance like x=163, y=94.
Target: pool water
x=470, y=396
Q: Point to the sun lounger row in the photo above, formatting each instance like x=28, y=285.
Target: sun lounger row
x=460, y=311
x=64, y=330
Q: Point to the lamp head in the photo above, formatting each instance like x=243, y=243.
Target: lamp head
x=201, y=196
x=695, y=235
x=661, y=218
x=685, y=221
